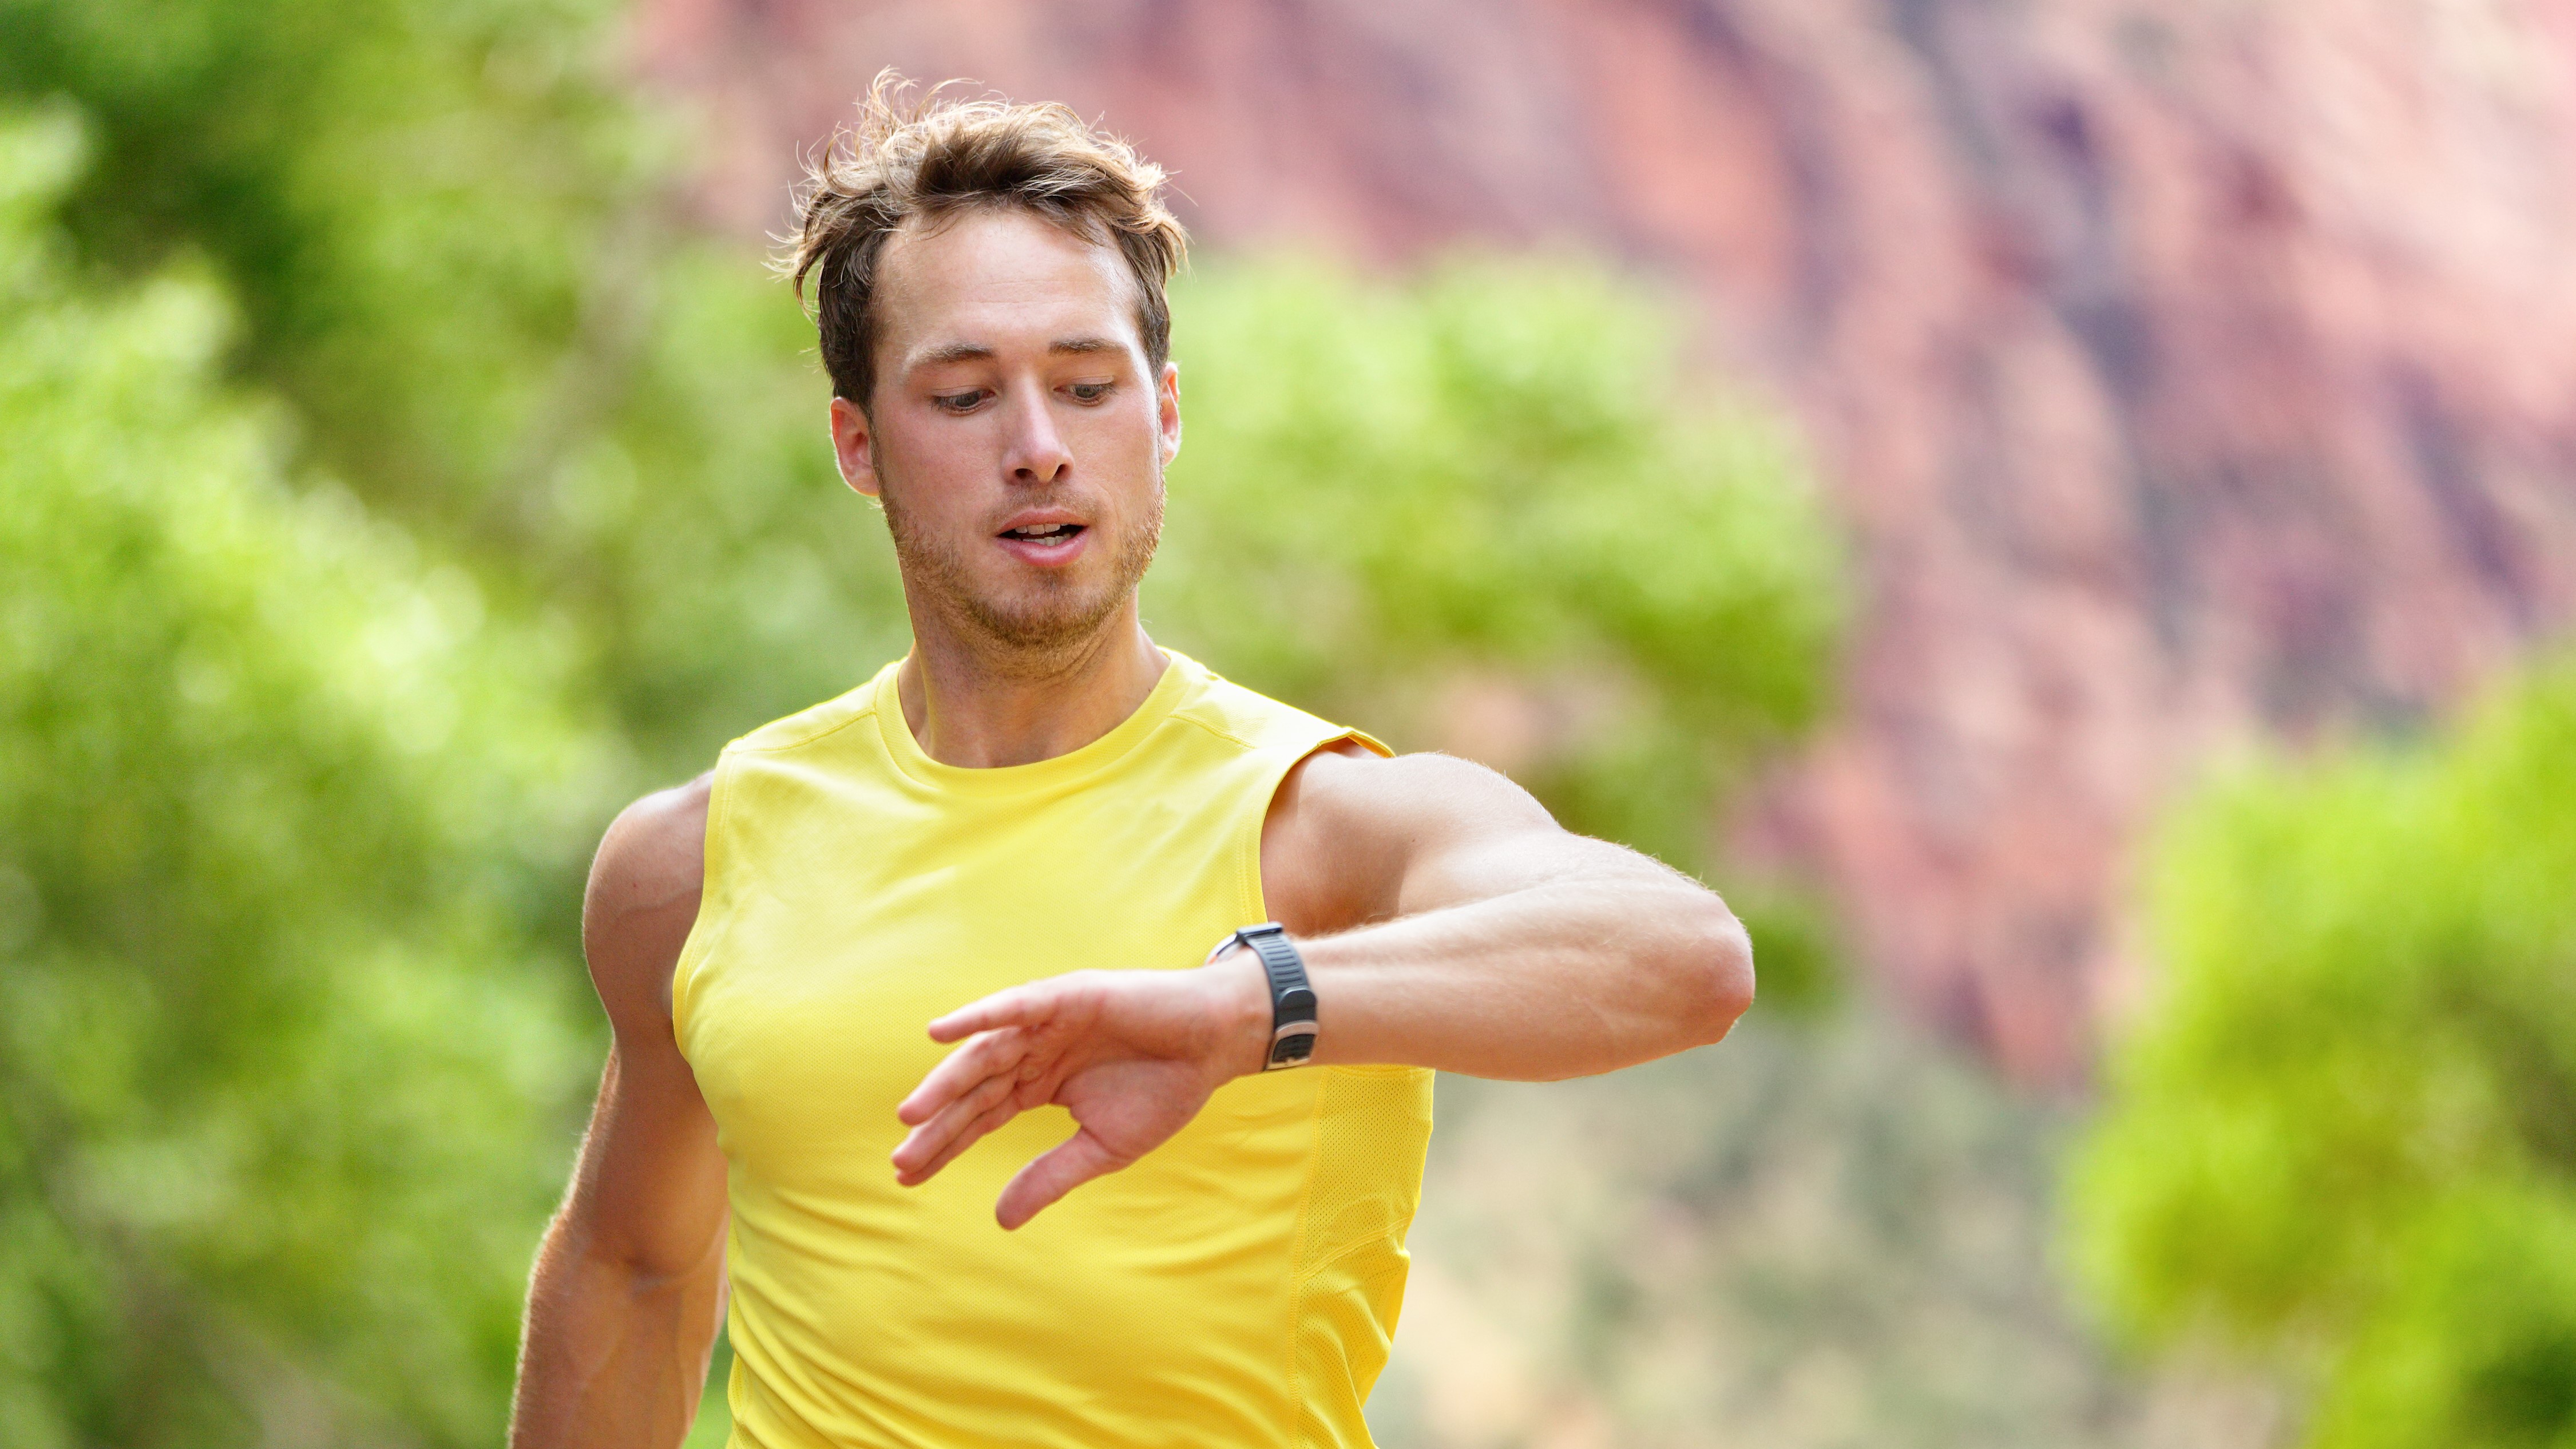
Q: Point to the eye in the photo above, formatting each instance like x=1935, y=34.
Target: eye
x=1089, y=392
x=959, y=402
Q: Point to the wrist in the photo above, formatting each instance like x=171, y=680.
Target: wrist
x=1242, y=1013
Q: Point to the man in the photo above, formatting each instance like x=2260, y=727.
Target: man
x=915, y=1053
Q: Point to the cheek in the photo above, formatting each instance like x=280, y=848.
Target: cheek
x=1128, y=435
x=921, y=442
x=938, y=462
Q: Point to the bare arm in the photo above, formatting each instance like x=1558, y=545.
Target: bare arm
x=1446, y=922
x=1489, y=940
x=629, y=1282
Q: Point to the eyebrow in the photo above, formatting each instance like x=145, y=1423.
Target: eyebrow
x=953, y=352
x=979, y=352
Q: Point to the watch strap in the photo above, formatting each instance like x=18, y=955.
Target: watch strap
x=1292, y=996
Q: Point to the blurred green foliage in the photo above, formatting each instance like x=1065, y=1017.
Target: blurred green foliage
x=392, y=487
x=412, y=201
x=1496, y=487
x=446, y=229
x=2344, y=1140
x=281, y=807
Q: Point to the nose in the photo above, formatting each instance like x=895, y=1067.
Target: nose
x=1037, y=453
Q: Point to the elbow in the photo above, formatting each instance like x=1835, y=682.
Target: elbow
x=1722, y=978
x=626, y=1264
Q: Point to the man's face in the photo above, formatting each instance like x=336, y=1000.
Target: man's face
x=1019, y=434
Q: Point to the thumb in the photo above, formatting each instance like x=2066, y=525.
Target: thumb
x=1057, y=1171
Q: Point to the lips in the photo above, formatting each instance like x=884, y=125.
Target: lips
x=1044, y=532
x=1044, y=536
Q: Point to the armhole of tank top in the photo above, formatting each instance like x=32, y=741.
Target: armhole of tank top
x=1259, y=900
x=701, y=931
x=1256, y=898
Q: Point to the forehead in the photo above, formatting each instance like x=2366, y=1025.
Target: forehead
x=993, y=278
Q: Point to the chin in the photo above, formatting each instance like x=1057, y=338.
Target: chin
x=1036, y=612
x=1047, y=616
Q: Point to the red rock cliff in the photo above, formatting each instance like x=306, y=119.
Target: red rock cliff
x=2186, y=369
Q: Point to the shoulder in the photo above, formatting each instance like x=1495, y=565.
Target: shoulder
x=643, y=894
x=1349, y=825
x=1347, y=790
x=655, y=849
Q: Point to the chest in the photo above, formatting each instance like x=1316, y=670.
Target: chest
x=842, y=928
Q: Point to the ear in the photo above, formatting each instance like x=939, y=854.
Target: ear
x=851, y=436
x=1167, y=410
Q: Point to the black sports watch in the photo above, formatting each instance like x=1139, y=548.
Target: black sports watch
x=1292, y=997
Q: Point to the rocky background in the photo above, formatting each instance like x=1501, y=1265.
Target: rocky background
x=2190, y=373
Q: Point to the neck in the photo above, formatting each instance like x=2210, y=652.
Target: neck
x=970, y=707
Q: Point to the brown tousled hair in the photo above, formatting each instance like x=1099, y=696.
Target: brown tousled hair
x=931, y=161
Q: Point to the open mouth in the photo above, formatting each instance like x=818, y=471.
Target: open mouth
x=1045, y=535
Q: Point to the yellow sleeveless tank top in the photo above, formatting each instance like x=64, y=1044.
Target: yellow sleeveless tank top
x=1237, y=1286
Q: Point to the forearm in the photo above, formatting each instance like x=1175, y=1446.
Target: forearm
x=1552, y=981
x=1507, y=948
x=613, y=1354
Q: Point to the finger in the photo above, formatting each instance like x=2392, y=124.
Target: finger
x=1057, y=1171
x=1018, y=1006
x=975, y=1132
x=993, y=1054
x=931, y=1138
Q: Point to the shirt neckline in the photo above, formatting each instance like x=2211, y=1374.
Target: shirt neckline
x=1065, y=769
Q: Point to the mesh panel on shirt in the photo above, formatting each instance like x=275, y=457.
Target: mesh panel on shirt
x=1372, y=1126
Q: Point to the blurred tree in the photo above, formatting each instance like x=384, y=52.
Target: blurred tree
x=415, y=202
x=449, y=228
x=1497, y=488
x=282, y=809
x=2343, y=1142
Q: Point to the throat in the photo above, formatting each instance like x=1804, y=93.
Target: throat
x=964, y=711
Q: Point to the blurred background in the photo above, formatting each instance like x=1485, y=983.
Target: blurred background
x=2061, y=511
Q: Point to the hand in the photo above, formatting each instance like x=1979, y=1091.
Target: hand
x=1133, y=1055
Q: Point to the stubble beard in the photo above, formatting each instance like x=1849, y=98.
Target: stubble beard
x=1055, y=619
